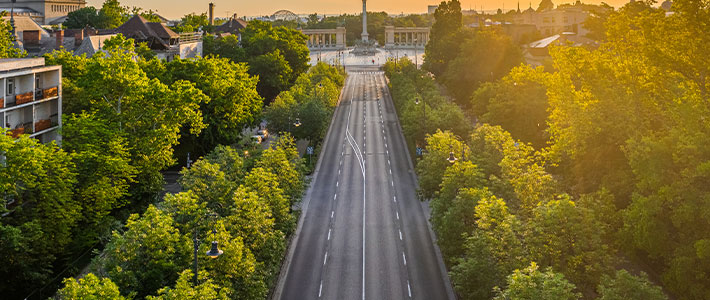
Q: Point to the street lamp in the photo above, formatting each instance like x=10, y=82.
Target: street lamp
x=452, y=159
x=416, y=57
x=417, y=101
x=214, y=252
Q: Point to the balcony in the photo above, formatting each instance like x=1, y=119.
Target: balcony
x=15, y=133
x=42, y=125
x=24, y=98
x=49, y=93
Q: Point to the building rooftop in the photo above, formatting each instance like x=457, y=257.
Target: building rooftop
x=12, y=64
x=26, y=23
x=92, y=44
x=232, y=25
x=140, y=29
x=572, y=37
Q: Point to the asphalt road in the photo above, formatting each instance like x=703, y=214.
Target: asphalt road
x=364, y=234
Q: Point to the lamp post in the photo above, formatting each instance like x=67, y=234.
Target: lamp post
x=213, y=253
x=423, y=102
x=416, y=57
x=452, y=159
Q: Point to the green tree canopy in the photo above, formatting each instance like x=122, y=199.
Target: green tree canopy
x=629, y=287
x=531, y=283
x=89, y=287
x=84, y=17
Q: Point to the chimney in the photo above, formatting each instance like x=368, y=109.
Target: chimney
x=59, y=36
x=211, y=14
x=78, y=37
x=31, y=37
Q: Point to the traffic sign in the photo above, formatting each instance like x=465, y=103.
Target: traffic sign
x=309, y=150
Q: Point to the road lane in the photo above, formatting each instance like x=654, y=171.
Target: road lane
x=364, y=235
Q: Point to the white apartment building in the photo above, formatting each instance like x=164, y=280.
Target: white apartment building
x=31, y=100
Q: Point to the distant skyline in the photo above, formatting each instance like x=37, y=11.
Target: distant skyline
x=174, y=9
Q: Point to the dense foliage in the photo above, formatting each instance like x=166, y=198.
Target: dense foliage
x=420, y=106
x=456, y=57
x=277, y=55
x=124, y=118
x=311, y=101
x=248, y=204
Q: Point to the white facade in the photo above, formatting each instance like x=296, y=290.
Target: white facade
x=31, y=98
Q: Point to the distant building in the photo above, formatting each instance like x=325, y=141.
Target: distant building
x=166, y=44
x=233, y=26
x=537, y=53
x=45, y=12
x=26, y=24
x=568, y=18
x=432, y=9
x=31, y=100
x=92, y=45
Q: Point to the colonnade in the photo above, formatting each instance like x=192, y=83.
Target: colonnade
x=406, y=37
x=325, y=38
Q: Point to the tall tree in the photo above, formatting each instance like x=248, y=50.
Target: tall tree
x=442, y=46
x=112, y=14
x=40, y=179
x=233, y=102
x=278, y=55
x=104, y=173
x=486, y=56
x=84, y=17
x=7, y=48
x=150, y=114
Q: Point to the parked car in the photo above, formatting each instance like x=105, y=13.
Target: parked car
x=263, y=133
x=256, y=139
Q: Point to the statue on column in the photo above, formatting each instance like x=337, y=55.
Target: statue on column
x=365, y=35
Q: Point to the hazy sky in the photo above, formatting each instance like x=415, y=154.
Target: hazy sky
x=173, y=9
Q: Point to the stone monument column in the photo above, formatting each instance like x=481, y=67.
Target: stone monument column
x=364, y=21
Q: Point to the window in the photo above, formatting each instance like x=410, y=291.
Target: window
x=37, y=81
x=10, y=86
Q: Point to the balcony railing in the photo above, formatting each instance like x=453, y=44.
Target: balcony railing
x=50, y=92
x=43, y=124
x=24, y=98
x=15, y=133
